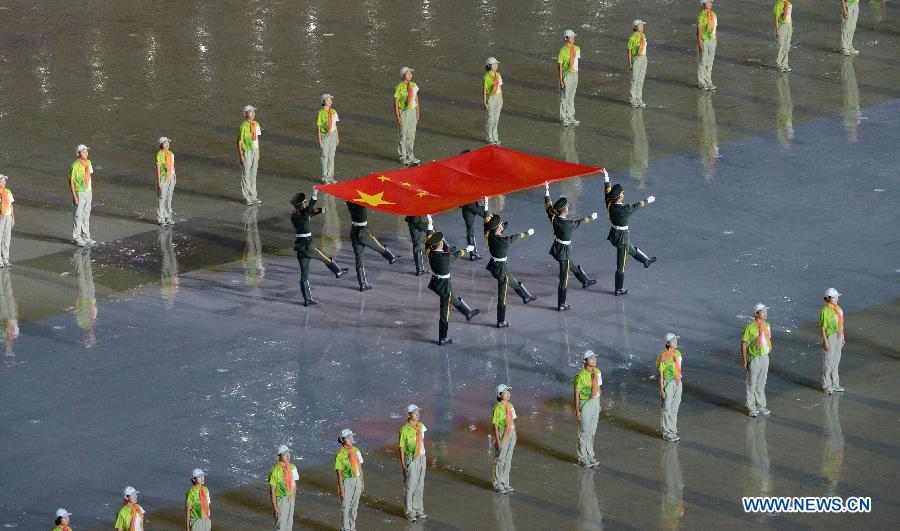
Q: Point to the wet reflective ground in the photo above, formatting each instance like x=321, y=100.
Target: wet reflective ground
x=160, y=350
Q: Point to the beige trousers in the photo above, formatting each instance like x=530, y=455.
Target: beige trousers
x=352, y=492
x=503, y=461
x=201, y=524
x=285, y=519
x=669, y=408
x=492, y=118
x=587, y=428
x=567, y=98
x=81, y=225
x=5, y=235
x=248, y=175
x=705, y=64
x=832, y=359
x=757, y=372
x=414, y=487
x=848, y=28
x=164, y=207
x=638, y=72
x=408, y=122
x=329, y=145
x=784, y=45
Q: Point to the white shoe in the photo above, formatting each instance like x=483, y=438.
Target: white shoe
x=837, y=389
x=753, y=414
x=765, y=412
x=854, y=52
x=414, y=161
x=91, y=242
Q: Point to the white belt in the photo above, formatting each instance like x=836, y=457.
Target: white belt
x=360, y=224
x=307, y=235
x=564, y=242
x=620, y=228
x=440, y=276
x=494, y=258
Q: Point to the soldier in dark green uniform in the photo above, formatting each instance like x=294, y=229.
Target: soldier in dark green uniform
x=469, y=213
x=360, y=238
x=498, y=245
x=561, y=250
x=440, y=257
x=419, y=229
x=619, y=212
x=304, y=210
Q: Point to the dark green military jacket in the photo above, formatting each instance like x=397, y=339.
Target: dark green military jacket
x=563, y=229
x=300, y=220
x=498, y=247
x=358, y=213
x=440, y=262
x=619, y=215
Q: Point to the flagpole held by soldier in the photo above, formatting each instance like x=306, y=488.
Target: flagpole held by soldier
x=303, y=244
x=440, y=258
x=498, y=246
x=619, y=236
x=360, y=238
x=561, y=250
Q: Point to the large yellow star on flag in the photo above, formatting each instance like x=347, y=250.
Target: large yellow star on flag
x=373, y=200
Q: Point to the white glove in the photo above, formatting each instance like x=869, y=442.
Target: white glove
x=547, y=187
x=530, y=232
x=593, y=215
x=651, y=199
x=470, y=248
x=485, y=202
x=315, y=194
x=605, y=176
x=430, y=223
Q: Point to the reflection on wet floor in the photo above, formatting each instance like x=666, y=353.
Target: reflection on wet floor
x=833, y=454
x=168, y=276
x=757, y=477
x=640, y=149
x=851, y=100
x=252, y=258
x=672, y=508
x=784, y=115
x=9, y=315
x=709, y=134
x=590, y=515
x=86, y=302
x=567, y=149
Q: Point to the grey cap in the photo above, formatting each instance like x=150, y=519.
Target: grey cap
x=248, y=108
x=705, y=1
x=130, y=491
x=491, y=61
x=759, y=307
x=346, y=432
x=62, y=512
x=406, y=69
x=830, y=292
x=670, y=336
x=80, y=147
x=163, y=139
x=3, y=177
x=412, y=408
x=196, y=473
x=568, y=33
x=637, y=22
x=283, y=449
x=326, y=96
x=502, y=388
x=588, y=354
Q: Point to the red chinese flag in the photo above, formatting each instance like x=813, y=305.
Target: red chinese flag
x=444, y=184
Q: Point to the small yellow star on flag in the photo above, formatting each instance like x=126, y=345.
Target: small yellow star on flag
x=421, y=193
x=384, y=178
x=406, y=184
x=373, y=199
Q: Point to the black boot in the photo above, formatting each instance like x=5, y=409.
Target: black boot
x=643, y=258
x=465, y=310
x=585, y=280
x=307, y=297
x=561, y=300
x=501, y=316
x=361, y=277
x=420, y=263
x=522, y=292
x=474, y=254
x=442, y=333
x=389, y=256
x=334, y=268
x=620, y=281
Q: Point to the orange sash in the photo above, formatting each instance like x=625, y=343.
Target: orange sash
x=595, y=383
x=87, y=173
x=170, y=161
x=409, y=94
x=354, y=461
x=253, y=130
x=643, y=48
x=496, y=83
x=330, y=110
x=136, y=511
x=420, y=445
x=571, y=55
x=786, y=12
x=711, y=23
x=763, y=328
x=837, y=311
x=510, y=422
x=4, y=201
x=288, y=477
x=204, y=502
